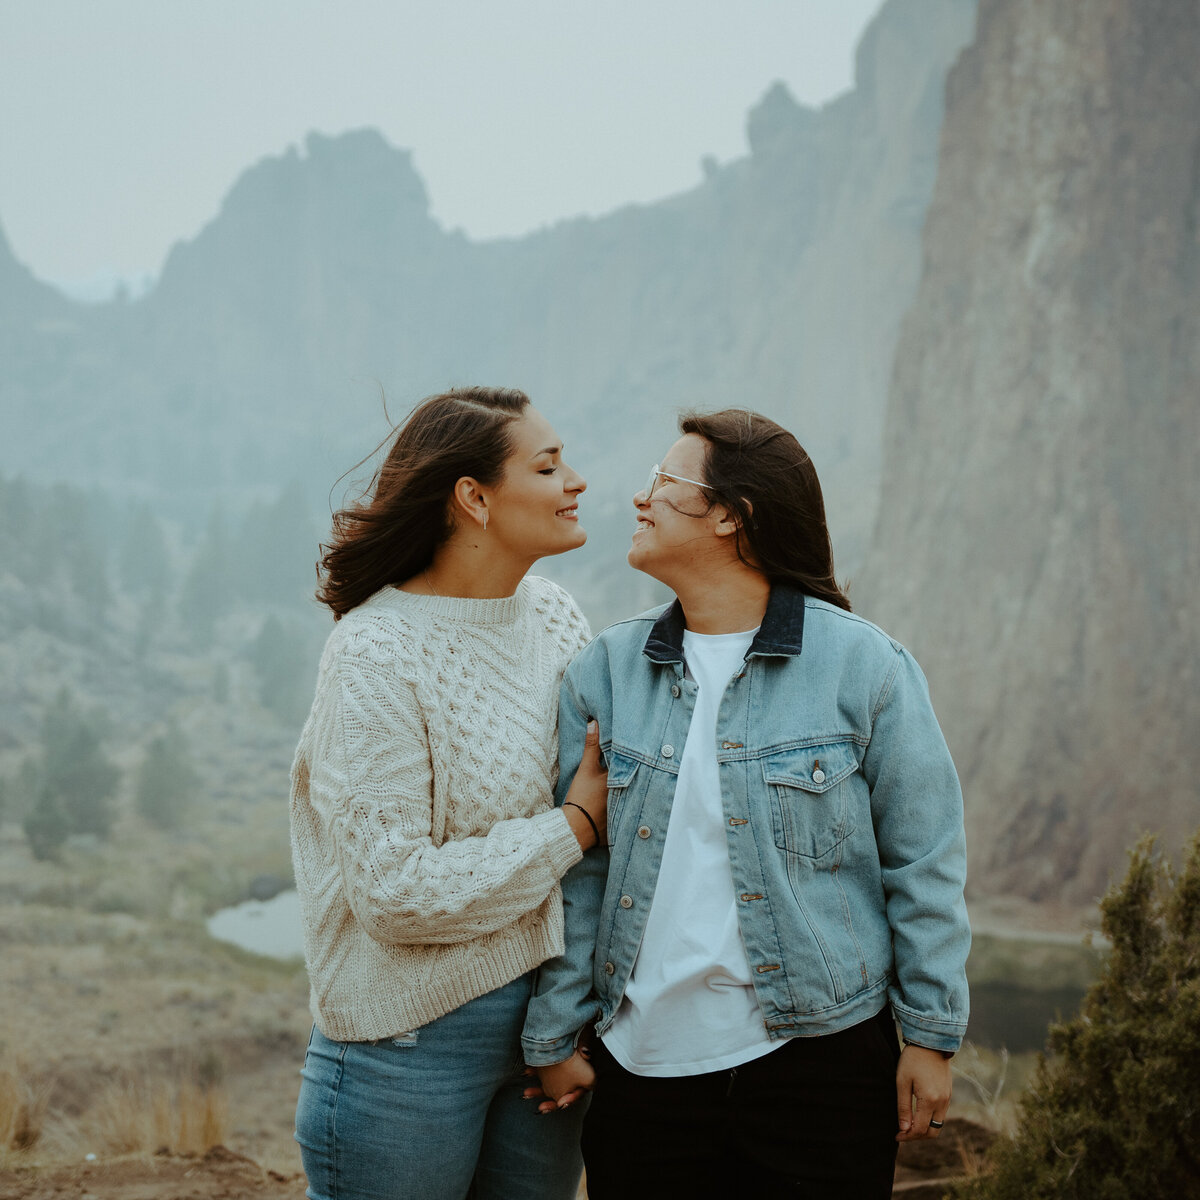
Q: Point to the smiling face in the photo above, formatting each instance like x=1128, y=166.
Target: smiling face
x=533, y=510
x=678, y=531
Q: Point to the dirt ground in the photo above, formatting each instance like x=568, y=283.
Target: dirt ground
x=221, y=1174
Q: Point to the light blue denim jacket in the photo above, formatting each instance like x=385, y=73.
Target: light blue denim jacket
x=844, y=825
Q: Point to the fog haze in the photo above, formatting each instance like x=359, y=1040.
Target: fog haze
x=126, y=123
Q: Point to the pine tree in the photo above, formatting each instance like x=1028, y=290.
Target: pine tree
x=26, y=788
x=167, y=781
x=144, y=563
x=46, y=827
x=75, y=771
x=1114, y=1112
x=89, y=578
x=152, y=620
x=208, y=588
x=277, y=655
x=76, y=528
x=275, y=550
x=16, y=514
x=222, y=688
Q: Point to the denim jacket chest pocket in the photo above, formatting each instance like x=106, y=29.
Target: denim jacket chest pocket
x=810, y=791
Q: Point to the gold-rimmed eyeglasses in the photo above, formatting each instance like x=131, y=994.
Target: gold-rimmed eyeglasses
x=657, y=475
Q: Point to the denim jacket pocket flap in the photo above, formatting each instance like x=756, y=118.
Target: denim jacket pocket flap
x=621, y=772
x=811, y=768
x=621, y=769
x=811, y=812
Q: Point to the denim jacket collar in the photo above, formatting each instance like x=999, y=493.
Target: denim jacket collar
x=781, y=631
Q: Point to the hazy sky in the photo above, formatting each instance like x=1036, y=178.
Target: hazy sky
x=123, y=123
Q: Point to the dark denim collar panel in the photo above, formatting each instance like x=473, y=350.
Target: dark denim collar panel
x=782, y=628
x=781, y=631
x=665, y=643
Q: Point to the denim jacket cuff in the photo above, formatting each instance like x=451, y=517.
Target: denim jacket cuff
x=546, y=1054
x=929, y=1032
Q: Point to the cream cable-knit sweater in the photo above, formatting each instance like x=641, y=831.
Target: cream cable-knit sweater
x=426, y=846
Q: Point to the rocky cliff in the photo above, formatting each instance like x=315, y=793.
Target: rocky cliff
x=1039, y=540
x=778, y=282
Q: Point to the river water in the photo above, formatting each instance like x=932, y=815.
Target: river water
x=268, y=927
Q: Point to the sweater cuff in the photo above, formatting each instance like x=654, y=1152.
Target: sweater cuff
x=561, y=841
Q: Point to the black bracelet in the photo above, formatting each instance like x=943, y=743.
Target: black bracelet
x=587, y=817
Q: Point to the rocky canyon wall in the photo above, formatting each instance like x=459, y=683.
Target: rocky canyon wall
x=1039, y=538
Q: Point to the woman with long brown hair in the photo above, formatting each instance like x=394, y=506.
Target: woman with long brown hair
x=785, y=879
x=427, y=846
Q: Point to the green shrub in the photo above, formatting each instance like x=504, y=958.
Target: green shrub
x=1114, y=1111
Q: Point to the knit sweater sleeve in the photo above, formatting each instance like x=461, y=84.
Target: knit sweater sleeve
x=372, y=780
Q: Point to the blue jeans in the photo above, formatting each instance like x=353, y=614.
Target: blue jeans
x=435, y=1114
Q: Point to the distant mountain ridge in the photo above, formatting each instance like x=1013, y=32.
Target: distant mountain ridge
x=778, y=283
x=23, y=298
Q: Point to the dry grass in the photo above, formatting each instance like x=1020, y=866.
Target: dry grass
x=989, y=1085
x=143, y=1115
x=973, y=1158
x=23, y=1105
x=127, y=1116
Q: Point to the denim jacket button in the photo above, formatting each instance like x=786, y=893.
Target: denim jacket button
x=626, y=902
x=675, y=690
x=643, y=831
x=818, y=776
x=668, y=751
x=609, y=968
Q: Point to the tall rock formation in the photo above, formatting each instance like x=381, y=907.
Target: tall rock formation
x=1039, y=539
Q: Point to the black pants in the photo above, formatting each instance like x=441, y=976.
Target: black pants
x=813, y=1120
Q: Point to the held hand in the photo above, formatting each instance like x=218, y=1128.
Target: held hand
x=923, y=1087
x=589, y=791
x=562, y=1084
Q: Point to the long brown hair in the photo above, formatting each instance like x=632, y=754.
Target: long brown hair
x=766, y=479
x=391, y=534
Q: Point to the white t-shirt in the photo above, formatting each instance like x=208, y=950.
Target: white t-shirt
x=690, y=1005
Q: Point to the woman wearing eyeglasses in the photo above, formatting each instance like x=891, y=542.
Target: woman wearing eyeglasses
x=784, y=879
